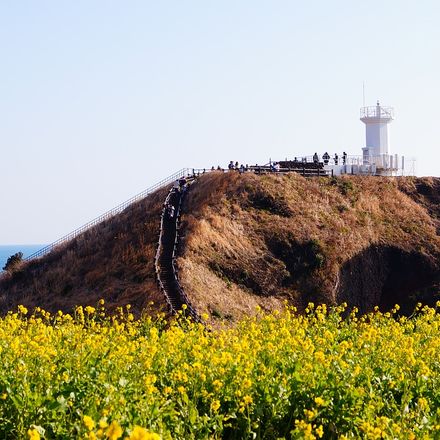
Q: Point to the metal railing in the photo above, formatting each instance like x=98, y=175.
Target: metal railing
x=118, y=209
x=107, y=215
x=158, y=251
x=182, y=295
x=378, y=112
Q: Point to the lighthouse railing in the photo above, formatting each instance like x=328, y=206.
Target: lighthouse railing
x=377, y=112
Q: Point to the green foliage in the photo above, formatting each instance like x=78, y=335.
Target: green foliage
x=315, y=253
x=282, y=375
x=345, y=186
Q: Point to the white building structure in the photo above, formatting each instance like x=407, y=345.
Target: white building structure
x=376, y=158
x=376, y=152
x=376, y=120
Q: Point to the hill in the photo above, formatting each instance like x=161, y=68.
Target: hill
x=113, y=260
x=251, y=240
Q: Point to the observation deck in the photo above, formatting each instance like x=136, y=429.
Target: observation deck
x=377, y=113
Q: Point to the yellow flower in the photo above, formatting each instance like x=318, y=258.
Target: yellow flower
x=103, y=423
x=319, y=401
x=215, y=405
x=247, y=383
x=247, y=400
x=167, y=390
x=310, y=414
x=23, y=310
x=422, y=403
x=319, y=356
x=90, y=310
x=114, y=431
x=319, y=431
x=88, y=422
x=217, y=384
x=139, y=433
x=33, y=434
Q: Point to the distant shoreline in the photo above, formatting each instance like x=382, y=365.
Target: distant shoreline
x=7, y=250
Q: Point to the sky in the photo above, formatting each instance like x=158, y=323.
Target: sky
x=99, y=100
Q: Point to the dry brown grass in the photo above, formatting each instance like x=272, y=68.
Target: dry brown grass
x=114, y=261
x=254, y=240
x=262, y=239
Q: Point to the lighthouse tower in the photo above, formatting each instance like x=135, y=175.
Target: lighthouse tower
x=376, y=120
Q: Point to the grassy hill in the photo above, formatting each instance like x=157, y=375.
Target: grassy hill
x=259, y=240
x=114, y=260
x=253, y=240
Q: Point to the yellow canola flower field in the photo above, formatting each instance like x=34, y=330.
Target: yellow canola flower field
x=326, y=374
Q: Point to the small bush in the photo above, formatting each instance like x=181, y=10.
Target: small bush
x=14, y=262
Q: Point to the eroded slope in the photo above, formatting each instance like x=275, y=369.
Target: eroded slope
x=253, y=240
x=259, y=240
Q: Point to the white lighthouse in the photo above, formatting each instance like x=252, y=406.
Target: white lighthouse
x=376, y=159
x=376, y=151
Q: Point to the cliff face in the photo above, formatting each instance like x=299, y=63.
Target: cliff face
x=260, y=240
x=252, y=240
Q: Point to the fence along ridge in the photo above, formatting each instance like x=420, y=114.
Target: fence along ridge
x=108, y=214
x=183, y=172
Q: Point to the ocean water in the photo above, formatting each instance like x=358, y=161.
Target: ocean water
x=27, y=249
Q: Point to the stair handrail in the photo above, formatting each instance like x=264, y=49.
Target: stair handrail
x=71, y=235
x=183, y=297
x=181, y=173
x=158, y=251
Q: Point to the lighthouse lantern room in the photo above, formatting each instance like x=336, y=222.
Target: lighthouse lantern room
x=376, y=151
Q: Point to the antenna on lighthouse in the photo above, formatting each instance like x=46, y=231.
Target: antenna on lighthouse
x=363, y=93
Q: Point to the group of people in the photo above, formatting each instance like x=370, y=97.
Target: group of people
x=170, y=210
x=240, y=168
x=179, y=184
x=275, y=166
x=326, y=158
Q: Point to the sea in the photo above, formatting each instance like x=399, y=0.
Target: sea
x=7, y=251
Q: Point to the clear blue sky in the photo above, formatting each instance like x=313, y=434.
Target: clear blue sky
x=101, y=99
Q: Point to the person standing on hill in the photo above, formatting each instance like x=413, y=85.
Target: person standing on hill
x=182, y=183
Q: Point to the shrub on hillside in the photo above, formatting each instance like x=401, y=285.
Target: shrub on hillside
x=14, y=262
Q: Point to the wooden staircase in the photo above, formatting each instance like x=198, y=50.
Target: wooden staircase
x=165, y=263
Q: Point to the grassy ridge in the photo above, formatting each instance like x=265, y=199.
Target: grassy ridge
x=282, y=375
x=257, y=240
